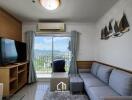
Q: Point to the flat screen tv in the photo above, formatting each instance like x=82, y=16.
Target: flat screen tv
x=8, y=52
x=21, y=51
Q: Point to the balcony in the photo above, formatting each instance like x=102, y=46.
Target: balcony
x=43, y=63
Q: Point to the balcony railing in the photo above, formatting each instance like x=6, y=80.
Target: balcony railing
x=43, y=63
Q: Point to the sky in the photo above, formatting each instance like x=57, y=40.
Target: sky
x=45, y=43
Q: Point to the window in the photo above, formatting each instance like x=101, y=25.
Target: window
x=49, y=48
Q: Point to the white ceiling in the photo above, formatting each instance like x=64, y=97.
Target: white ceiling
x=69, y=11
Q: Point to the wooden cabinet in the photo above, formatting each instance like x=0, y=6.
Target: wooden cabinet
x=13, y=77
x=10, y=27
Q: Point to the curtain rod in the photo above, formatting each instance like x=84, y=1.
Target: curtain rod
x=53, y=33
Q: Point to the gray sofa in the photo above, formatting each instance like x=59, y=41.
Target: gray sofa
x=107, y=83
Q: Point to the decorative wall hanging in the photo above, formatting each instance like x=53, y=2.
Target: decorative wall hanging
x=117, y=30
x=110, y=28
x=124, y=25
x=106, y=33
x=102, y=34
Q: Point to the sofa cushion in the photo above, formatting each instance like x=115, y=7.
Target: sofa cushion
x=103, y=73
x=98, y=93
x=86, y=75
x=94, y=68
x=121, y=82
x=92, y=82
x=76, y=79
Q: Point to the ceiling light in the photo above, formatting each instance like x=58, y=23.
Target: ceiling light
x=50, y=4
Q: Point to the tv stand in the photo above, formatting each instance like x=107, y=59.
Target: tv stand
x=14, y=77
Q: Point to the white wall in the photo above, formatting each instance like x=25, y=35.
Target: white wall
x=87, y=32
x=115, y=51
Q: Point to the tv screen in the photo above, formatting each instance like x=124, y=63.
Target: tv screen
x=21, y=51
x=8, y=52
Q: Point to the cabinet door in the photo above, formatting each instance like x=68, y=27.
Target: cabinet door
x=4, y=73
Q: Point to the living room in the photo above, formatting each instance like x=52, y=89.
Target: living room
x=89, y=39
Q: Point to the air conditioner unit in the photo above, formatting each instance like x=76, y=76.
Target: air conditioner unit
x=58, y=27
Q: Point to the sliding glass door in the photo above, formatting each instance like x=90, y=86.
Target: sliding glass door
x=43, y=54
x=61, y=51
x=49, y=48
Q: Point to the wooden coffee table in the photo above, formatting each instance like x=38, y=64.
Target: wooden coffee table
x=59, y=81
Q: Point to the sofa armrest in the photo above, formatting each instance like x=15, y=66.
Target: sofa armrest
x=118, y=98
x=84, y=70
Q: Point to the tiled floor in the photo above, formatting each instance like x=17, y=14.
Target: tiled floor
x=35, y=91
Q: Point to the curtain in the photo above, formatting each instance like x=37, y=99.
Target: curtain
x=30, y=55
x=73, y=47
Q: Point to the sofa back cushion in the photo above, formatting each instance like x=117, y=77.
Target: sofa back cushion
x=94, y=68
x=104, y=72
x=121, y=82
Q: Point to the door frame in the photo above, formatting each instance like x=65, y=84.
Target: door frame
x=53, y=34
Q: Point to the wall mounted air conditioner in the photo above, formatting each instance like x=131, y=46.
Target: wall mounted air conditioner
x=56, y=27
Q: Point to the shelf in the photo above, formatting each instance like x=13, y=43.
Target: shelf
x=12, y=91
x=13, y=65
x=21, y=71
x=13, y=87
x=21, y=63
x=20, y=85
x=13, y=79
x=13, y=74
